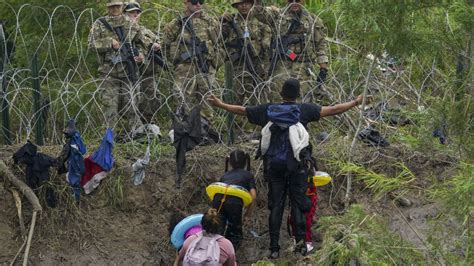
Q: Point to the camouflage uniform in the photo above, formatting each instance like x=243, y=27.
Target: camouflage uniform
x=150, y=99
x=246, y=79
x=190, y=85
x=118, y=96
x=313, y=48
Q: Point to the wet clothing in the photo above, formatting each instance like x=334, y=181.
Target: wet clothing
x=230, y=211
x=103, y=156
x=281, y=183
x=285, y=179
x=226, y=256
x=231, y=218
x=187, y=135
x=37, y=169
x=313, y=196
x=76, y=166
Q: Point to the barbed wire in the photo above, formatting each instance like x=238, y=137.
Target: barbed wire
x=70, y=85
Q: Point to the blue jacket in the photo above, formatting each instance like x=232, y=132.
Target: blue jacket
x=103, y=156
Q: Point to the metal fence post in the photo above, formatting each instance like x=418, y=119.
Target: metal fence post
x=3, y=87
x=229, y=97
x=37, y=108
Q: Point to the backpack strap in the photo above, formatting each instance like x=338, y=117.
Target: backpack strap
x=223, y=199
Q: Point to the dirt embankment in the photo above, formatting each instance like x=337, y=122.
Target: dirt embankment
x=123, y=224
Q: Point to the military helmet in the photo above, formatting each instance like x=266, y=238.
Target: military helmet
x=114, y=3
x=235, y=2
x=132, y=6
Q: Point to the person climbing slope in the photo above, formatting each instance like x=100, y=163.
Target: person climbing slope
x=208, y=247
x=230, y=207
x=285, y=150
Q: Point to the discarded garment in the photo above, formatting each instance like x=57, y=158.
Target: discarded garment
x=92, y=176
x=37, y=169
x=439, y=133
x=382, y=112
x=76, y=167
x=64, y=156
x=103, y=156
x=147, y=130
x=372, y=137
x=75, y=159
x=187, y=135
x=139, y=168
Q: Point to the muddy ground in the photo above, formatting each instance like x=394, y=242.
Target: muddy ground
x=123, y=224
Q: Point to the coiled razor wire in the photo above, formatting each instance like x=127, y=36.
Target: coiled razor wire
x=70, y=82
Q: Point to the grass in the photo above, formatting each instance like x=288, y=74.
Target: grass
x=114, y=190
x=363, y=237
x=379, y=183
x=457, y=194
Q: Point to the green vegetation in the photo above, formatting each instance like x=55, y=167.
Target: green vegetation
x=458, y=192
x=363, y=237
x=432, y=87
x=379, y=183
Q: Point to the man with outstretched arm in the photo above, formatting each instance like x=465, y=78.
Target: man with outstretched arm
x=286, y=150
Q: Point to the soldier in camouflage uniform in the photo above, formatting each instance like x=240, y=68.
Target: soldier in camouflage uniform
x=298, y=43
x=149, y=95
x=192, y=80
x=117, y=91
x=247, y=41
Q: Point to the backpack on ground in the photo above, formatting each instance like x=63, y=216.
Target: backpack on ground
x=204, y=250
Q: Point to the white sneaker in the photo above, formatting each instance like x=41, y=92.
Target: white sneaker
x=309, y=246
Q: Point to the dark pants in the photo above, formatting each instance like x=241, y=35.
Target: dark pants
x=231, y=218
x=280, y=183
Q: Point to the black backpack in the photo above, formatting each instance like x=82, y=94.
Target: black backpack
x=283, y=116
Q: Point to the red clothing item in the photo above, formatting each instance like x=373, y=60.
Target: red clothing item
x=92, y=175
x=313, y=195
x=226, y=256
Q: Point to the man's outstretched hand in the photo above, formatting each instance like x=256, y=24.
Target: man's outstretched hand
x=214, y=101
x=360, y=99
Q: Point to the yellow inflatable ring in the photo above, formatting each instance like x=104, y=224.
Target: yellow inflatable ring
x=231, y=190
x=321, y=179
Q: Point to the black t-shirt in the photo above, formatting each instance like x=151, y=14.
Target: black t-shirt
x=258, y=114
x=239, y=177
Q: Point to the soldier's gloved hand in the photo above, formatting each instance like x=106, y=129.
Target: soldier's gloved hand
x=115, y=45
x=155, y=46
x=323, y=73
x=139, y=58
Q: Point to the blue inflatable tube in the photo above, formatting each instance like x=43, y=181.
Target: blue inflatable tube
x=177, y=236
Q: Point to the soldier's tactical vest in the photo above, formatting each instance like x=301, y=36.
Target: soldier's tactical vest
x=202, y=27
x=303, y=31
x=106, y=58
x=248, y=30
